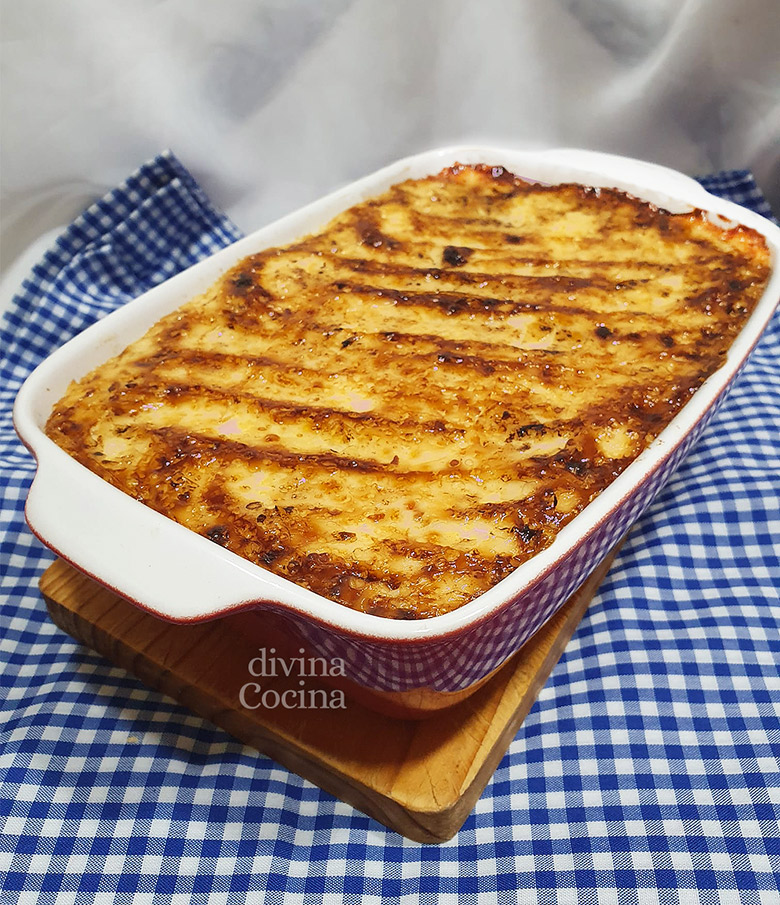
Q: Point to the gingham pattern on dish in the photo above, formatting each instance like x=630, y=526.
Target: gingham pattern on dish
x=647, y=772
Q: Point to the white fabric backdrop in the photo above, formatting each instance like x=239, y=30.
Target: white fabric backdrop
x=270, y=103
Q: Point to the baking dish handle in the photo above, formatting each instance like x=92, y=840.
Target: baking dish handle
x=626, y=171
x=159, y=565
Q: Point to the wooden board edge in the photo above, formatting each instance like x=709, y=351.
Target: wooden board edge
x=424, y=826
x=251, y=731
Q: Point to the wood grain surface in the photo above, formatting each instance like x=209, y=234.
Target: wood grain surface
x=420, y=778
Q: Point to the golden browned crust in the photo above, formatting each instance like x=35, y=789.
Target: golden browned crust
x=399, y=410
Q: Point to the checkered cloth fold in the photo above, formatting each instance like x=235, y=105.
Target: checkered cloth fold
x=647, y=772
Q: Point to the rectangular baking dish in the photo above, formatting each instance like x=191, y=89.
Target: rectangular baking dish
x=418, y=666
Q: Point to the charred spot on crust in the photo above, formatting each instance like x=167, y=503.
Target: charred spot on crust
x=369, y=232
x=525, y=533
x=219, y=534
x=527, y=429
x=242, y=281
x=456, y=255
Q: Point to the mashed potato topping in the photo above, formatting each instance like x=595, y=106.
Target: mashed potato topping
x=399, y=410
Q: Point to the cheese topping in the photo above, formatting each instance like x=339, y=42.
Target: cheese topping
x=399, y=410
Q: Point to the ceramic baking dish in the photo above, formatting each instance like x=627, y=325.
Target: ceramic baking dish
x=422, y=665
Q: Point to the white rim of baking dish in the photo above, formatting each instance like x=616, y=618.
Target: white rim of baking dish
x=182, y=576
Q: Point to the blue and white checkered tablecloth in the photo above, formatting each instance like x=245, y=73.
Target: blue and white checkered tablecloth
x=647, y=772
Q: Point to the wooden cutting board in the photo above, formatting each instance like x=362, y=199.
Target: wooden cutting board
x=419, y=778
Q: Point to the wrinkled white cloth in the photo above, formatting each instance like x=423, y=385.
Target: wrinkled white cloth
x=271, y=103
